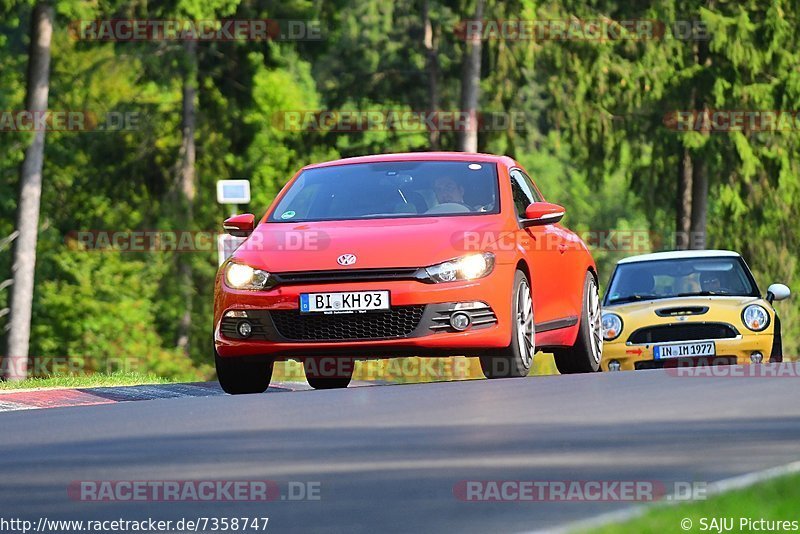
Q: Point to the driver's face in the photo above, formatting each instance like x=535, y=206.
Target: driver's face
x=711, y=284
x=448, y=190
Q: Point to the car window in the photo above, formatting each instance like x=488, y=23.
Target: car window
x=680, y=277
x=523, y=197
x=537, y=197
x=389, y=190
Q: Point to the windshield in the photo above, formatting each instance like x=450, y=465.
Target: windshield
x=680, y=278
x=390, y=189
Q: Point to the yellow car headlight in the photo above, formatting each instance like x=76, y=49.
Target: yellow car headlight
x=755, y=318
x=611, y=325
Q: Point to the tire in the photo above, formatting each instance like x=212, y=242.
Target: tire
x=515, y=360
x=584, y=356
x=776, y=355
x=238, y=376
x=320, y=377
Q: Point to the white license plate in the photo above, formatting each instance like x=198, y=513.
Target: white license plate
x=345, y=302
x=684, y=350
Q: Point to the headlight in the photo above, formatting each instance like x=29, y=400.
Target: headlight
x=755, y=318
x=612, y=326
x=467, y=267
x=240, y=276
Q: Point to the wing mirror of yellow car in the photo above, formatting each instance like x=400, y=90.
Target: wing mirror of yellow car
x=778, y=292
x=240, y=225
x=541, y=213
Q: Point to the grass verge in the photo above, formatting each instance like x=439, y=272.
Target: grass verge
x=773, y=501
x=85, y=381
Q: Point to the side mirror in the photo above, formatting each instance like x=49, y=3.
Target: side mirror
x=240, y=225
x=778, y=292
x=541, y=213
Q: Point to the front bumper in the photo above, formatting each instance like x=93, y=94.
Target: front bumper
x=633, y=356
x=280, y=332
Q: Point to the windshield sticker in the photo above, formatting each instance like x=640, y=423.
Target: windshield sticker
x=474, y=166
x=288, y=214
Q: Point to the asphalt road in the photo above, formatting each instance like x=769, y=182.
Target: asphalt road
x=388, y=457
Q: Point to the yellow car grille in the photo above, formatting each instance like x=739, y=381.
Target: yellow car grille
x=682, y=332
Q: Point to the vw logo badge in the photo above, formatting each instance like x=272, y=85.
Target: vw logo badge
x=346, y=259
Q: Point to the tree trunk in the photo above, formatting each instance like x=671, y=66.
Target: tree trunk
x=683, y=212
x=430, y=42
x=30, y=184
x=188, y=186
x=700, y=172
x=699, y=206
x=470, y=86
x=683, y=220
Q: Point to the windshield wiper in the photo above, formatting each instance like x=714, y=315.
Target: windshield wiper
x=632, y=298
x=703, y=294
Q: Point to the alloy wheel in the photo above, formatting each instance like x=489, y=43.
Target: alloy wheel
x=525, y=323
x=594, y=316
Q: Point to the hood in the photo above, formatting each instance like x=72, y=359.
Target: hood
x=384, y=243
x=647, y=309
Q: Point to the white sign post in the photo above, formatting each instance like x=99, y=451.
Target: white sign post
x=231, y=192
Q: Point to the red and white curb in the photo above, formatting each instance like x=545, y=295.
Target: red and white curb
x=60, y=398
x=35, y=399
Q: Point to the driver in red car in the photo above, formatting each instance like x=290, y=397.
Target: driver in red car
x=448, y=190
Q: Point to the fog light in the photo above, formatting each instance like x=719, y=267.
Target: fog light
x=245, y=329
x=614, y=365
x=756, y=357
x=460, y=321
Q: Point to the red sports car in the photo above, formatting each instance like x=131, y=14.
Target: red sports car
x=423, y=254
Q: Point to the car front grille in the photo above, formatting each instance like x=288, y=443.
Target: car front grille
x=349, y=275
x=396, y=323
x=682, y=332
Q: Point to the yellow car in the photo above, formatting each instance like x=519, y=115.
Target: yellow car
x=686, y=308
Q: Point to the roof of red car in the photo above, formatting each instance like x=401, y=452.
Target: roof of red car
x=417, y=156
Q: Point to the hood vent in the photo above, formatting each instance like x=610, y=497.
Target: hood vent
x=678, y=311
